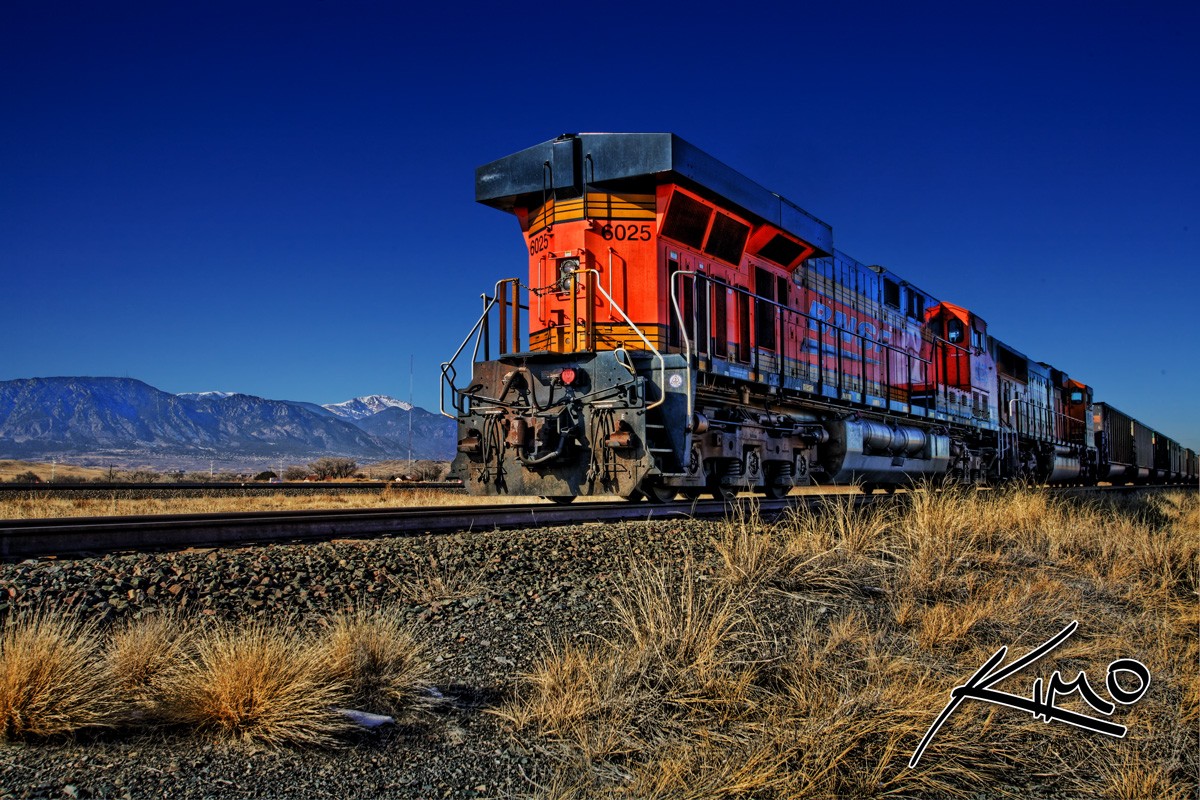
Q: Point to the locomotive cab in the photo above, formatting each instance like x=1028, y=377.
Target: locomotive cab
x=961, y=363
x=643, y=277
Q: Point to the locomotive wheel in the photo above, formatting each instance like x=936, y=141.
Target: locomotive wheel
x=867, y=488
x=658, y=493
x=560, y=499
x=775, y=491
x=719, y=492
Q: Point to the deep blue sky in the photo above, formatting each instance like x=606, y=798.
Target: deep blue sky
x=278, y=199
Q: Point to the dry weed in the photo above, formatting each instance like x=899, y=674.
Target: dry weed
x=679, y=704
x=141, y=658
x=49, y=681
x=748, y=550
x=838, y=522
x=38, y=505
x=1133, y=778
x=580, y=697
x=257, y=685
x=435, y=581
x=714, y=768
x=681, y=635
x=380, y=659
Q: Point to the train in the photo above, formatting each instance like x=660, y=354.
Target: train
x=681, y=331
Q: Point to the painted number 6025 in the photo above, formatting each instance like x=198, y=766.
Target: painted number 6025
x=539, y=243
x=626, y=233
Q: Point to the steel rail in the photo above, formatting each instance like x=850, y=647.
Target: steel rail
x=224, y=487
x=32, y=538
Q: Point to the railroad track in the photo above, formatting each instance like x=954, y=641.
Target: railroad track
x=31, y=538
x=246, y=487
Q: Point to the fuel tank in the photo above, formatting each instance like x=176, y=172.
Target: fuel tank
x=876, y=452
x=1067, y=466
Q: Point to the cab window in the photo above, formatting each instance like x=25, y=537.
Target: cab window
x=954, y=331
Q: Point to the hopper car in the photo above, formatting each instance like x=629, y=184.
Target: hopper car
x=680, y=330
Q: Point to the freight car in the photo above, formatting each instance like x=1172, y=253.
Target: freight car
x=1125, y=446
x=689, y=331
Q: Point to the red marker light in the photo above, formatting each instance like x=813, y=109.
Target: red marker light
x=568, y=376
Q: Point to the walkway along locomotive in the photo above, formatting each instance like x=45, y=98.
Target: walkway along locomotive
x=689, y=331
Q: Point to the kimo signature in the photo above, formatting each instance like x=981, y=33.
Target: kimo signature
x=1041, y=702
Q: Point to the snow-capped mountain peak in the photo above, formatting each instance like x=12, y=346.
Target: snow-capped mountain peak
x=202, y=395
x=369, y=406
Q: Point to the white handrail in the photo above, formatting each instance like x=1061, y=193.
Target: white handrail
x=448, y=371
x=662, y=364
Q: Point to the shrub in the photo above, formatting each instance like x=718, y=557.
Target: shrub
x=327, y=468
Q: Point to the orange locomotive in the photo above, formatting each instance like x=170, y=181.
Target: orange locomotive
x=688, y=331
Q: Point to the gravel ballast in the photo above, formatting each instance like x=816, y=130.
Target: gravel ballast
x=487, y=604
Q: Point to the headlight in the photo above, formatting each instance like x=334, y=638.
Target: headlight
x=565, y=277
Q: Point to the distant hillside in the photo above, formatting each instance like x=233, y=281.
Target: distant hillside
x=129, y=419
x=429, y=432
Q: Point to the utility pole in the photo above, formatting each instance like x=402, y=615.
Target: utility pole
x=410, y=411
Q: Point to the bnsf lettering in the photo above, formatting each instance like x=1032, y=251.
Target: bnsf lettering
x=820, y=313
x=626, y=233
x=539, y=243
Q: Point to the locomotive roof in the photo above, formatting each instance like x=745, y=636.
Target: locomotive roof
x=563, y=163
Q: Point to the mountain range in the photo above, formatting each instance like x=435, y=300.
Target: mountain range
x=127, y=421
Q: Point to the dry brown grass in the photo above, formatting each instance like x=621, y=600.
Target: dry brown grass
x=141, y=659
x=36, y=505
x=49, y=683
x=809, y=656
x=684, y=634
x=1133, y=778
x=801, y=657
x=380, y=660
x=435, y=580
x=748, y=548
x=258, y=685
x=10, y=469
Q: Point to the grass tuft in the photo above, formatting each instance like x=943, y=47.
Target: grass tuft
x=257, y=685
x=680, y=634
x=49, y=683
x=579, y=696
x=747, y=548
x=141, y=659
x=380, y=660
